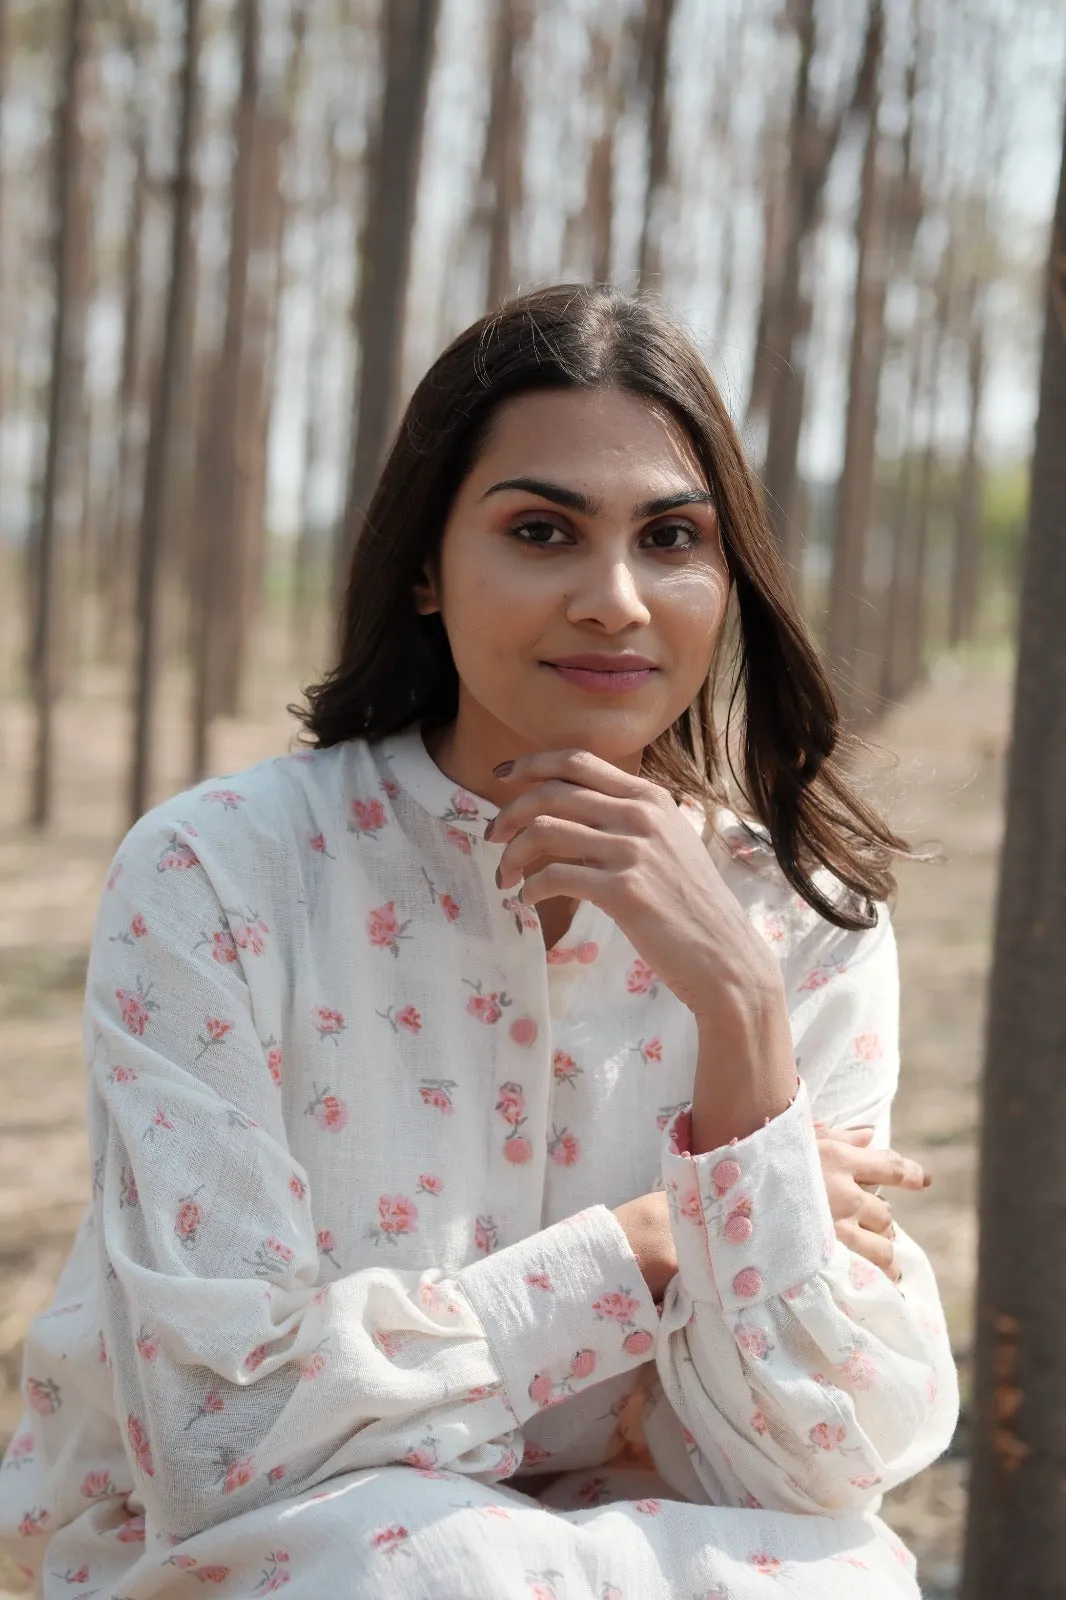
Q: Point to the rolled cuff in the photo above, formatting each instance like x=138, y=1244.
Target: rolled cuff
x=563, y=1310
x=751, y=1219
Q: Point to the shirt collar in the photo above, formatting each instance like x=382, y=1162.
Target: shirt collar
x=404, y=760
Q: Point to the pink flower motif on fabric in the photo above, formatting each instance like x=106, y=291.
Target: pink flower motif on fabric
x=429, y=1183
x=437, y=1092
x=384, y=928
x=228, y=799
x=858, y=1370
x=563, y=1147
x=486, y=1235
x=565, y=1069
x=464, y=808
x=540, y=1280
x=367, y=817
x=640, y=979
x=487, y=1008
x=276, y=1573
x=331, y=1113
x=390, y=1539
x=462, y=841
x=215, y=1030
x=176, y=857
x=819, y=976
x=43, y=1395
x=137, y=1435
x=827, y=1435
x=135, y=1008
x=397, y=1215
x=753, y=1342
x=317, y=841
x=189, y=1220
x=768, y=1564
x=405, y=1017
x=868, y=1047
x=649, y=1050
x=525, y=916
x=326, y=1245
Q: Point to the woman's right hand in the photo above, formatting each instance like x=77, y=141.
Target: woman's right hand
x=646, y=1224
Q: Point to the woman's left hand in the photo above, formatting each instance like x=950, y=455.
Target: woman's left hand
x=862, y=1218
x=582, y=829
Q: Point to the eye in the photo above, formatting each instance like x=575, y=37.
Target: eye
x=536, y=530
x=671, y=536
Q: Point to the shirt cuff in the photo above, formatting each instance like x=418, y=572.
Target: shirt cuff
x=563, y=1310
x=750, y=1219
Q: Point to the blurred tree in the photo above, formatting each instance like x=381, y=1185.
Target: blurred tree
x=409, y=29
x=1016, y=1532
x=162, y=439
x=783, y=333
x=221, y=472
x=655, y=73
x=64, y=396
x=501, y=169
x=854, y=499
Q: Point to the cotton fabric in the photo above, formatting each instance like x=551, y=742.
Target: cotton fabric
x=350, y=1312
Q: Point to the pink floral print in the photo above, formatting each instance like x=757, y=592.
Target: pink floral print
x=328, y=1023
x=227, y=798
x=621, y=1306
x=463, y=808
x=397, y=1215
x=367, y=818
x=565, y=1069
x=563, y=1147
x=330, y=1112
x=640, y=979
x=215, y=1030
x=406, y=1018
x=486, y=1008
x=384, y=928
x=437, y=1092
x=526, y=918
x=486, y=1235
x=136, y=1007
x=511, y=1104
x=176, y=857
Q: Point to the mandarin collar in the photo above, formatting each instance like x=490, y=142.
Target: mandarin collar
x=409, y=764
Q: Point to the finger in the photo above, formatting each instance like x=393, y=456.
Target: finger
x=852, y=1136
x=556, y=798
x=873, y=1167
x=549, y=839
x=873, y=1247
x=875, y=1215
x=569, y=881
x=573, y=766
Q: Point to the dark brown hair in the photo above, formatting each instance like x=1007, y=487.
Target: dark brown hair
x=395, y=667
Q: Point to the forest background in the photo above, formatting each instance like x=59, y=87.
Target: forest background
x=233, y=233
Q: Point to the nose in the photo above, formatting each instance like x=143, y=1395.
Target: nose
x=608, y=594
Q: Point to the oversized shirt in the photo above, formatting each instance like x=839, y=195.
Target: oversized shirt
x=351, y=1313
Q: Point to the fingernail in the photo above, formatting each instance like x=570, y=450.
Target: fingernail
x=499, y=879
x=927, y=1178
x=504, y=769
x=489, y=827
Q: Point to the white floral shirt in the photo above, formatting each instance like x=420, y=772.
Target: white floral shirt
x=350, y=1311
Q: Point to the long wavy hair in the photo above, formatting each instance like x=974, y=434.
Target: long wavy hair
x=395, y=667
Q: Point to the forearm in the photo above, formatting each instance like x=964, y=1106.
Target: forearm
x=746, y=1067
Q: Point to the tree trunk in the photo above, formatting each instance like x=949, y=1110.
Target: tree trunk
x=501, y=166
x=658, y=24
x=855, y=492
x=962, y=614
x=222, y=488
x=786, y=318
x=600, y=211
x=66, y=366
x=1016, y=1534
x=161, y=442
x=410, y=26
x=121, y=514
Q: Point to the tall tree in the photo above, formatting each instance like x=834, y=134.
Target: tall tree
x=786, y=313
x=501, y=168
x=221, y=474
x=67, y=333
x=855, y=490
x=410, y=27
x=655, y=70
x=161, y=441
x=1016, y=1532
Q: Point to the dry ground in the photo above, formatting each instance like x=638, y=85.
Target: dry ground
x=946, y=786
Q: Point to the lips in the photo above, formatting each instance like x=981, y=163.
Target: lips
x=604, y=674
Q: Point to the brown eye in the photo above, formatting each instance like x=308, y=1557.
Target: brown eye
x=535, y=531
x=672, y=536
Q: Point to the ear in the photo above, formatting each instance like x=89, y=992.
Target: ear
x=427, y=598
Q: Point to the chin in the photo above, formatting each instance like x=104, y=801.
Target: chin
x=616, y=735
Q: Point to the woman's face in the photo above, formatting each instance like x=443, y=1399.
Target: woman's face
x=581, y=578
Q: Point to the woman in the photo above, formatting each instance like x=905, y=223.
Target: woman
x=461, y=1227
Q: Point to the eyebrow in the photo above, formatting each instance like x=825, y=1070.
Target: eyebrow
x=573, y=500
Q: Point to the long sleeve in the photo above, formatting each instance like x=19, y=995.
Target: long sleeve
x=802, y=1378
x=240, y=1374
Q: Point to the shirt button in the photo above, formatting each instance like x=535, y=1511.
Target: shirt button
x=725, y=1175
x=747, y=1283
x=738, y=1229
